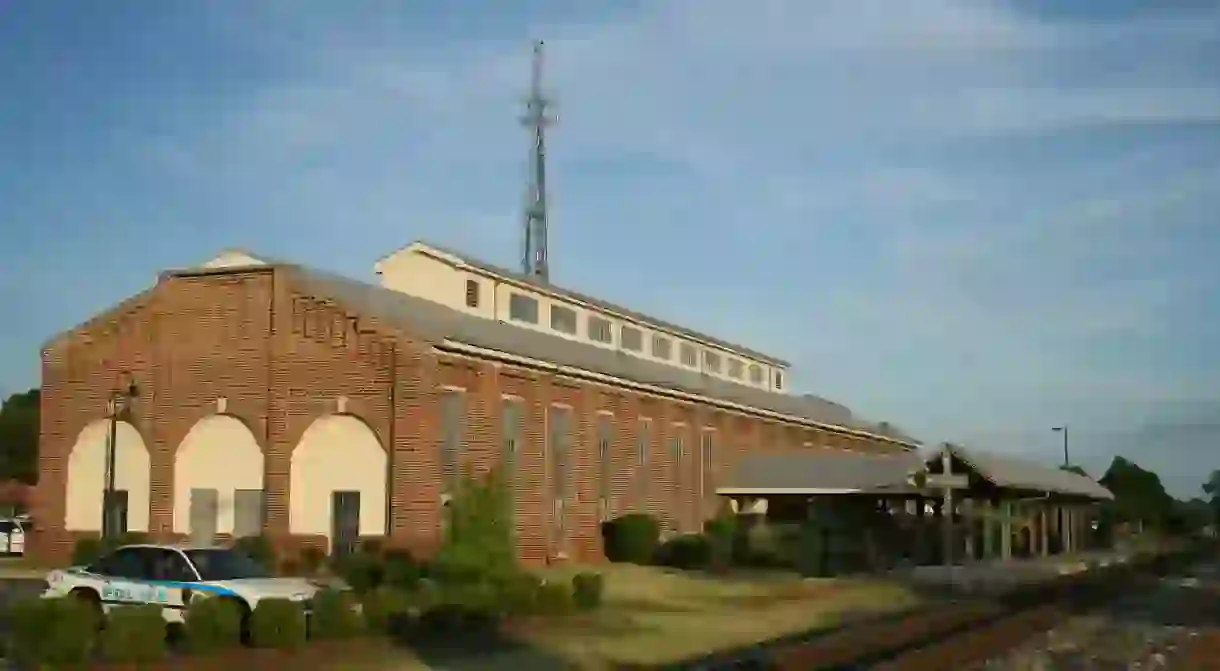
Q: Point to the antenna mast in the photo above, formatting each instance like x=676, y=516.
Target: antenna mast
x=534, y=260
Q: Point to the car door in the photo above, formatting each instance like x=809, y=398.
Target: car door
x=126, y=574
x=172, y=577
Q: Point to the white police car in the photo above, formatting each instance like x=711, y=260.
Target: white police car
x=172, y=577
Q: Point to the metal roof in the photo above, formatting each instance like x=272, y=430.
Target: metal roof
x=547, y=287
x=437, y=323
x=826, y=470
x=1014, y=473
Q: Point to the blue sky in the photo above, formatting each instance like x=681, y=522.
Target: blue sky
x=974, y=219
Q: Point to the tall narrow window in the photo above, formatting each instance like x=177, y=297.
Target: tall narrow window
x=510, y=440
x=472, y=293
x=605, y=434
x=453, y=415
x=557, y=443
x=707, y=464
x=642, y=476
x=678, y=493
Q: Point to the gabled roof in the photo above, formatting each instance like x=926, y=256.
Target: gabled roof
x=439, y=323
x=827, y=471
x=1014, y=473
x=459, y=259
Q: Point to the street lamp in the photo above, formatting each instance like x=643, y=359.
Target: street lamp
x=1064, y=430
x=119, y=402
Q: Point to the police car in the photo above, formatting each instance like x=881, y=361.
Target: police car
x=172, y=577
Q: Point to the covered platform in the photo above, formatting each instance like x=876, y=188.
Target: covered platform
x=950, y=505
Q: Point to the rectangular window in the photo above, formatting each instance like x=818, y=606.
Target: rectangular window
x=662, y=348
x=453, y=415
x=735, y=368
x=247, y=512
x=756, y=376
x=599, y=329
x=557, y=447
x=472, y=294
x=707, y=464
x=522, y=308
x=690, y=356
x=641, y=445
x=510, y=440
x=711, y=361
x=563, y=319
x=605, y=434
x=631, y=338
x=779, y=379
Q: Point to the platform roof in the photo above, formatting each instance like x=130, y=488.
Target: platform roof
x=821, y=472
x=1015, y=473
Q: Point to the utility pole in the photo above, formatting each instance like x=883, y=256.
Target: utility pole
x=534, y=261
x=1064, y=430
x=112, y=512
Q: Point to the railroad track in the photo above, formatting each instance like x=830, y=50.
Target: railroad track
x=957, y=635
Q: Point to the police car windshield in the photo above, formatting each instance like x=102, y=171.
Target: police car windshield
x=221, y=564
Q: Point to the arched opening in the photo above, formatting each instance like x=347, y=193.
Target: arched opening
x=218, y=480
x=338, y=482
x=87, y=477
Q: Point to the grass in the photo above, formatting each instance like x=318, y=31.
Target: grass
x=655, y=616
x=18, y=568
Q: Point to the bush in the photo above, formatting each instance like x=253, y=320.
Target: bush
x=51, y=632
x=720, y=532
x=587, y=590
x=372, y=546
x=134, y=635
x=384, y=607
x=554, y=598
x=277, y=623
x=518, y=595
x=87, y=550
x=400, y=569
x=334, y=615
x=362, y=571
x=631, y=538
x=689, y=551
x=479, y=542
x=259, y=549
x=214, y=624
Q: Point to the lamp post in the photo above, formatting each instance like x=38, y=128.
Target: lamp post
x=1064, y=430
x=120, y=401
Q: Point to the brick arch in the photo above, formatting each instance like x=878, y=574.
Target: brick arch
x=85, y=479
x=336, y=453
x=219, y=452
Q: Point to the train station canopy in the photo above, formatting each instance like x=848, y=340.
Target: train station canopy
x=822, y=472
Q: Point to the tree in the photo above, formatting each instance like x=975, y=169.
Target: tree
x=1139, y=495
x=1212, y=489
x=19, y=437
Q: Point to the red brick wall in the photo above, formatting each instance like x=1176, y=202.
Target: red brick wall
x=282, y=358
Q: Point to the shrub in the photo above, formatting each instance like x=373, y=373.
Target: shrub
x=259, y=549
x=631, y=538
x=587, y=590
x=400, y=569
x=362, y=571
x=372, y=546
x=51, y=632
x=87, y=550
x=384, y=607
x=334, y=615
x=479, y=541
x=720, y=532
x=277, y=623
x=134, y=635
x=686, y=552
x=554, y=598
x=214, y=624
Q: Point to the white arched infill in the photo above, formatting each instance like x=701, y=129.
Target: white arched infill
x=337, y=453
x=87, y=476
x=221, y=455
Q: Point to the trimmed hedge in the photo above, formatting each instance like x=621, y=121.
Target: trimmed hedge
x=384, y=607
x=689, y=551
x=555, y=598
x=134, y=635
x=334, y=615
x=631, y=538
x=214, y=624
x=277, y=623
x=51, y=632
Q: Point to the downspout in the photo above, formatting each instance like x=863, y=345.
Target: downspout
x=391, y=438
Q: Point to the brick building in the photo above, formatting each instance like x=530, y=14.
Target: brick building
x=315, y=408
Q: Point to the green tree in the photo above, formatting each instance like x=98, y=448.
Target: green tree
x=1139, y=495
x=19, y=437
x=479, y=540
x=1212, y=489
